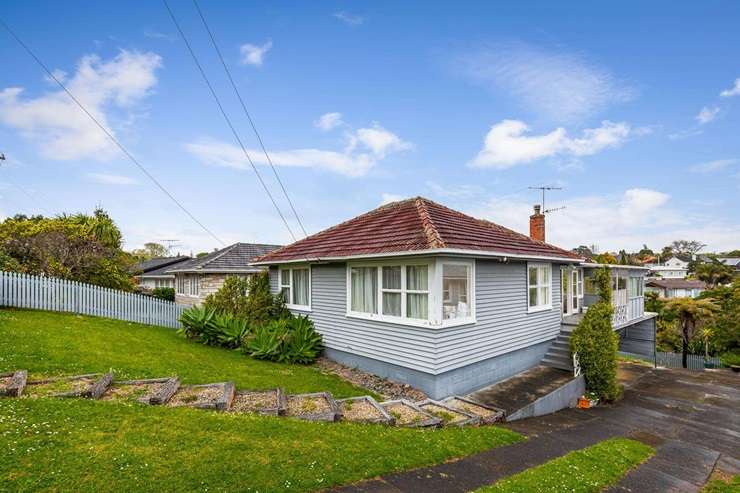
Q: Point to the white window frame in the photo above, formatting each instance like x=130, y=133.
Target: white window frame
x=640, y=285
x=194, y=285
x=434, y=292
x=289, y=303
x=548, y=305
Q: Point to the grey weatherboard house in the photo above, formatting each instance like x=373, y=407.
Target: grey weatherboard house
x=419, y=293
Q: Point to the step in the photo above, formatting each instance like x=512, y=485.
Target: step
x=558, y=353
x=561, y=364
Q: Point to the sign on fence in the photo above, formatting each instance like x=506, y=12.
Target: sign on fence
x=60, y=295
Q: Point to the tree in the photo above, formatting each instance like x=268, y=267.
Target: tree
x=732, y=253
x=150, y=250
x=645, y=252
x=85, y=248
x=583, y=251
x=686, y=247
x=690, y=314
x=605, y=258
x=714, y=273
x=726, y=324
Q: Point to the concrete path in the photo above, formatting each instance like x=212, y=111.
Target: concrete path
x=691, y=418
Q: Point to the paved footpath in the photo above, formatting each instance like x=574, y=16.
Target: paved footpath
x=691, y=418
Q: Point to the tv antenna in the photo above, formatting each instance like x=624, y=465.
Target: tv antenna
x=545, y=189
x=170, y=243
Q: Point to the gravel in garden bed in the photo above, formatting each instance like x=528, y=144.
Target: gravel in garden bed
x=449, y=415
x=130, y=391
x=196, y=396
x=408, y=414
x=385, y=388
x=319, y=406
x=486, y=413
x=363, y=410
x=60, y=386
x=270, y=402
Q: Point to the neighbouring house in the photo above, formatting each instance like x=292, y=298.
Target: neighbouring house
x=199, y=277
x=419, y=293
x=152, y=273
x=732, y=262
x=673, y=268
x=676, y=288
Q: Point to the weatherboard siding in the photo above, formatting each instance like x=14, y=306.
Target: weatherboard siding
x=503, y=323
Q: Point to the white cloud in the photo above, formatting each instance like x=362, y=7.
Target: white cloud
x=349, y=19
x=506, y=144
x=733, y=91
x=711, y=166
x=254, y=54
x=55, y=123
x=559, y=86
x=685, y=134
x=614, y=221
x=454, y=191
x=364, y=149
x=328, y=121
x=387, y=198
x=107, y=179
x=707, y=114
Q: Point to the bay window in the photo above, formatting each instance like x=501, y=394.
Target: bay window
x=295, y=286
x=635, y=287
x=423, y=293
x=539, y=286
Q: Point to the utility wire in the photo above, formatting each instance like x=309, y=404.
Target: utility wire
x=30, y=196
x=110, y=135
x=249, y=117
x=226, y=117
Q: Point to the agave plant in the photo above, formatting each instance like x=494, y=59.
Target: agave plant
x=195, y=322
x=266, y=341
x=303, y=344
x=231, y=331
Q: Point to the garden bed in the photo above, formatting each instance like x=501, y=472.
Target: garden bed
x=363, y=409
x=318, y=406
x=90, y=385
x=487, y=414
x=12, y=384
x=387, y=389
x=147, y=391
x=209, y=396
x=408, y=414
x=270, y=402
x=449, y=415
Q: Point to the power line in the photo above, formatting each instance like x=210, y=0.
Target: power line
x=249, y=117
x=30, y=196
x=108, y=134
x=226, y=117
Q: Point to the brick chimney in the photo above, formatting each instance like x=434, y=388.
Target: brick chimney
x=537, y=224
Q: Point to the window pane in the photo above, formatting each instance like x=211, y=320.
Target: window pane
x=417, y=306
x=285, y=277
x=364, y=289
x=533, y=297
x=544, y=295
x=392, y=304
x=533, y=276
x=543, y=275
x=286, y=294
x=417, y=277
x=392, y=277
x=300, y=287
x=455, y=302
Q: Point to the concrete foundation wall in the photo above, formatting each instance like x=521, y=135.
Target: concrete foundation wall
x=455, y=382
x=565, y=396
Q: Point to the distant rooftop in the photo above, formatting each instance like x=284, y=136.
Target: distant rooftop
x=233, y=258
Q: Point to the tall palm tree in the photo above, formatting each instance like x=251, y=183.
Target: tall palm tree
x=690, y=313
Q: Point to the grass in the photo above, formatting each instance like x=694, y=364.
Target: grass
x=82, y=445
x=588, y=470
x=728, y=484
x=48, y=344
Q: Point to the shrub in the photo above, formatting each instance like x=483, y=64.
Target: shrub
x=596, y=343
x=249, y=299
x=230, y=331
x=732, y=358
x=164, y=293
x=286, y=340
x=213, y=329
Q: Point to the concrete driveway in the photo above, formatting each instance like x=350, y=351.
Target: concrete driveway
x=691, y=418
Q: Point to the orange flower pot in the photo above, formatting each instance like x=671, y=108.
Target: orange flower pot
x=584, y=403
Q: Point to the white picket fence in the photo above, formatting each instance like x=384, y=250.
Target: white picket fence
x=60, y=295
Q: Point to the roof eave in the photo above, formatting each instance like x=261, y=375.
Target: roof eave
x=433, y=251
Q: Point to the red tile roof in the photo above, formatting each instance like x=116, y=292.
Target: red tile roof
x=413, y=225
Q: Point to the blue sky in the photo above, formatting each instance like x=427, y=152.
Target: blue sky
x=632, y=108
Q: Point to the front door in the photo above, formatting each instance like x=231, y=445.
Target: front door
x=570, y=296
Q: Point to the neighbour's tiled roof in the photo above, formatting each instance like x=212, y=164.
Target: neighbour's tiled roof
x=676, y=284
x=233, y=258
x=414, y=225
x=157, y=263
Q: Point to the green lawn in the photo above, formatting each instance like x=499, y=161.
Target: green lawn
x=588, y=470
x=47, y=343
x=82, y=445
x=730, y=485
